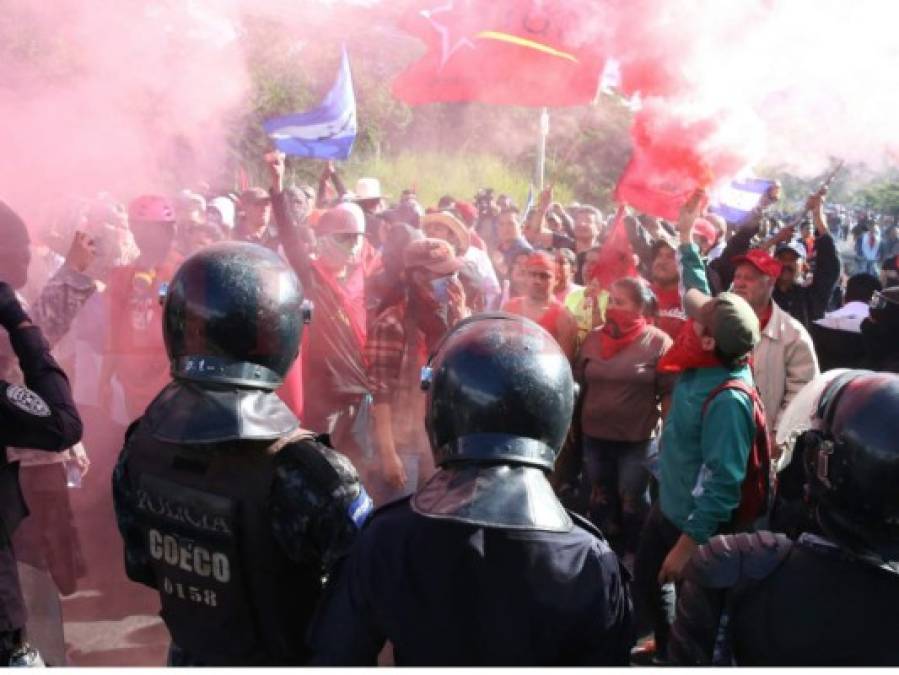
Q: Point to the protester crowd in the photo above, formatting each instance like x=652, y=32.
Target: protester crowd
x=686, y=364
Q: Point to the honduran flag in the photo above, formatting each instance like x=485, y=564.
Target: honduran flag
x=737, y=199
x=324, y=132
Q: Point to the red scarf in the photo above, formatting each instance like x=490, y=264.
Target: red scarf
x=766, y=316
x=671, y=315
x=621, y=329
x=669, y=298
x=686, y=353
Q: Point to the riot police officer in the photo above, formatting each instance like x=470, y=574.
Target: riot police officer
x=226, y=507
x=41, y=414
x=483, y=565
x=829, y=598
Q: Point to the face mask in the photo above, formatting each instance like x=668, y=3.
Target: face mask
x=686, y=353
x=341, y=252
x=623, y=322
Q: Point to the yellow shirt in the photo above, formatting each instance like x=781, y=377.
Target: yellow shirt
x=581, y=308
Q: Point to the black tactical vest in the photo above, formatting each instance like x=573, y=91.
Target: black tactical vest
x=229, y=594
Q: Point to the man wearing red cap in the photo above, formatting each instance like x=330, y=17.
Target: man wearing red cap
x=539, y=304
x=784, y=360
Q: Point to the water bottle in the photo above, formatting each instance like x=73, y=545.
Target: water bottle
x=73, y=474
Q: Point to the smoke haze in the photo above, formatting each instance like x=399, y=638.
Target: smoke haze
x=134, y=96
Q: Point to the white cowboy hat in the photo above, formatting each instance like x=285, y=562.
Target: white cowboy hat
x=368, y=188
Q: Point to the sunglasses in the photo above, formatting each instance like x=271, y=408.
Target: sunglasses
x=346, y=240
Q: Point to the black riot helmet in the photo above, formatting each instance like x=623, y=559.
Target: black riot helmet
x=499, y=390
x=234, y=314
x=852, y=463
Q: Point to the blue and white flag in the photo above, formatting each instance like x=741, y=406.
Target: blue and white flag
x=737, y=199
x=325, y=132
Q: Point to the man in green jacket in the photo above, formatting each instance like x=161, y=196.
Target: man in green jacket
x=703, y=455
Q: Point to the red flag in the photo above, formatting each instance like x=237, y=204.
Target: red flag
x=505, y=52
x=675, y=154
x=616, y=257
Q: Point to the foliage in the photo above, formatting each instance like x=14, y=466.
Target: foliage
x=444, y=148
x=882, y=196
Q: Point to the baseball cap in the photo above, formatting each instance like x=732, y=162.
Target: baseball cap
x=761, y=260
x=434, y=255
x=729, y=318
x=796, y=247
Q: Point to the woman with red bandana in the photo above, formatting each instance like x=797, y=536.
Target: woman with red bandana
x=622, y=397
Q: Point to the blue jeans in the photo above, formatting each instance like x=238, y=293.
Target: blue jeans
x=655, y=604
x=618, y=478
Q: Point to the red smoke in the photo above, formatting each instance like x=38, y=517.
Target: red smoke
x=120, y=96
x=677, y=150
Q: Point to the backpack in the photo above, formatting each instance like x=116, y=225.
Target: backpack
x=757, y=488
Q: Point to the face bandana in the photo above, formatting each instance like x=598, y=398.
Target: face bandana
x=686, y=353
x=620, y=330
x=341, y=250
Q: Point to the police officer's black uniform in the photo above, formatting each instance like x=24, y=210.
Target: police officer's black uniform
x=483, y=566
x=226, y=507
x=40, y=415
x=826, y=599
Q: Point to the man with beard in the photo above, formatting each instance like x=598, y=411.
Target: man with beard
x=335, y=281
x=398, y=343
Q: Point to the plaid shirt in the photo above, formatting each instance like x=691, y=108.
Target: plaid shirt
x=384, y=351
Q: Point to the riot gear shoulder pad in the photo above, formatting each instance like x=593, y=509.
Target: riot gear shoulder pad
x=320, y=464
x=198, y=413
x=728, y=559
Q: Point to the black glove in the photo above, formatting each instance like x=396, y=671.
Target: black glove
x=11, y=312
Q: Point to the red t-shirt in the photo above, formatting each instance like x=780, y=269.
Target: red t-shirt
x=550, y=319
